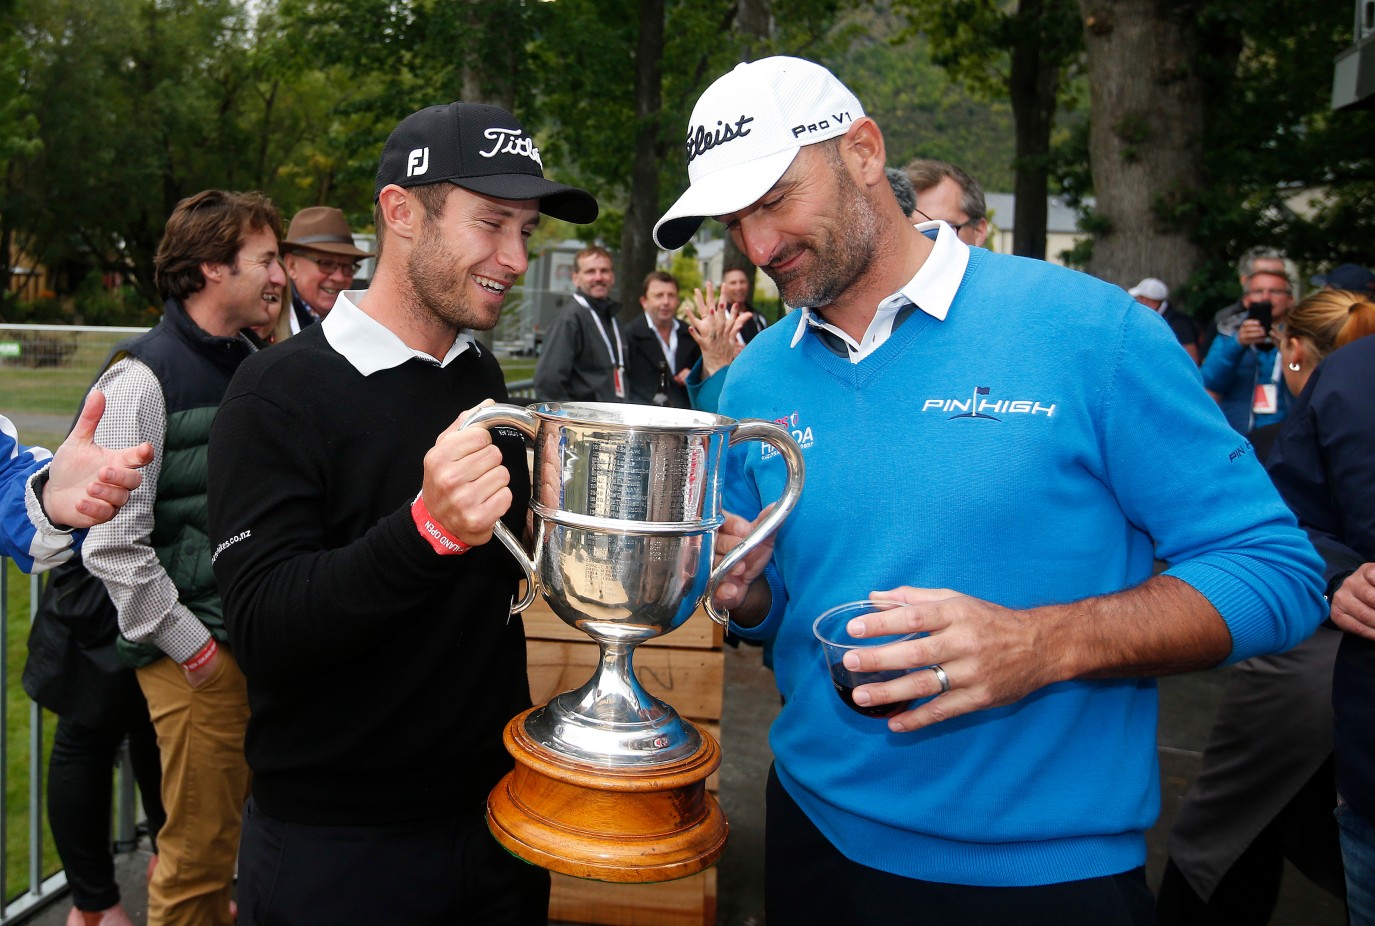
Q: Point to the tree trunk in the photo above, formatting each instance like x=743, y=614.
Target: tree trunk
x=638, y=251
x=1035, y=80
x=490, y=62
x=1145, y=136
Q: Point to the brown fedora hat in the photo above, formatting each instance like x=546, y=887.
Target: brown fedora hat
x=322, y=228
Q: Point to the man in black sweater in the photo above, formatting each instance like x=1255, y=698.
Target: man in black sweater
x=351, y=521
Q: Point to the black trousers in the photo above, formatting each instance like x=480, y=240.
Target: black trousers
x=433, y=872
x=80, y=783
x=807, y=881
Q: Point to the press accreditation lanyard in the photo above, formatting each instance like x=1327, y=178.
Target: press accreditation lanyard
x=617, y=358
x=1265, y=399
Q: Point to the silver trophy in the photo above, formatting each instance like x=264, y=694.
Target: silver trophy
x=627, y=502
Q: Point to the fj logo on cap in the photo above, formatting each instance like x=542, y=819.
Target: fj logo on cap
x=700, y=141
x=823, y=125
x=418, y=162
x=511, y=141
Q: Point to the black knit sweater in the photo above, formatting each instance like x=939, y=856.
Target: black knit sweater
x=380, y=674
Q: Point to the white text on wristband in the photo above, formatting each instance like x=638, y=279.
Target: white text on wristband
x=206, y=654
x=444, y=543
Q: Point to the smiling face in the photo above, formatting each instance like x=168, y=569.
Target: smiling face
x=814, y=233
x=249, y=291
x=319, y=277
x=660, y=302
x=594, y=276
x=735, y=286
x=466, y=260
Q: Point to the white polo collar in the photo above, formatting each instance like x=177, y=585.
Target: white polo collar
x=370, y=345
x=932, y=289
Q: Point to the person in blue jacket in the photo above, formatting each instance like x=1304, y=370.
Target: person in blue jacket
x=1004, y=448
x=48, y=500
x=1243, y=369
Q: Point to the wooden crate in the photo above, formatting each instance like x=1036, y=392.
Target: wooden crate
x=685, y=668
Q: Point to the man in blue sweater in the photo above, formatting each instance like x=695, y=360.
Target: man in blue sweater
x=1004, y=447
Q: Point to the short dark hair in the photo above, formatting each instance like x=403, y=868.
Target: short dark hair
x=208, y=228
x=433, y=196
x=658, y=276
x=927, y=172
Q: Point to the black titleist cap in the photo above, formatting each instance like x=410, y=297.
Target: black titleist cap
x=480, y=148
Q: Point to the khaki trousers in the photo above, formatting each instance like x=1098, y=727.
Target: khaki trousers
x=205, y=782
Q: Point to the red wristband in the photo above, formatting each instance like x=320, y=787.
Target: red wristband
x=444, y=543
x=206, y=654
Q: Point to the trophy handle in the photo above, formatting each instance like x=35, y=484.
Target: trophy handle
x=770, y=433
x=523, y=420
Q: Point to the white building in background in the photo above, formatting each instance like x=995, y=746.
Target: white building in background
x=1062, y=225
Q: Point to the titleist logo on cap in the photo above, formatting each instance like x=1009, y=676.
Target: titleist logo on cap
x=511, y=141
x=700, y=141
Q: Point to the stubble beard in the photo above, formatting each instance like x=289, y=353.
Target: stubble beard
x=439, y=287
x=842, y=254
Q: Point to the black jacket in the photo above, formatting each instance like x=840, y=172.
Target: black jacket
x=1321, y=464
x=643, y=356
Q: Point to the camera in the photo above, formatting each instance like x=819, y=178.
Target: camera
x=1262, y=312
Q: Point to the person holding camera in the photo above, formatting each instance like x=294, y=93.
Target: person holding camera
x=1243, y=371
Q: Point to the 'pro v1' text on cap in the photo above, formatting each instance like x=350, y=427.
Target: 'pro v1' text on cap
x=745, y=132
x=481, y=148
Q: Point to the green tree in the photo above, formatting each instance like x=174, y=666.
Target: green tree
x=1222, y=150
x=1023, y=54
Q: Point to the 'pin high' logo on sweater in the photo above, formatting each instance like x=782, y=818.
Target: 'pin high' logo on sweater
x=979, y=406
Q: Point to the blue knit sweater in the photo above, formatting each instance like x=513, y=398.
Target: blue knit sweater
x=1042, y=444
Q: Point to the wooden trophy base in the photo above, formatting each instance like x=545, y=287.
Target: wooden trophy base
x=628, y=825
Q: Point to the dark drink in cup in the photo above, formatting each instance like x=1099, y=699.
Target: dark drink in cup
x=846, y=682
x=836, y=641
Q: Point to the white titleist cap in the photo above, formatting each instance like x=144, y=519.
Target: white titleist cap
x=745, y=131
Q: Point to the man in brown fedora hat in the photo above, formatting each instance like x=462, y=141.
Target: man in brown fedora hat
x=321, y=259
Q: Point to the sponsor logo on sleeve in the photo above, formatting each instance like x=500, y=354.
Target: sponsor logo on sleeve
x=242, y=535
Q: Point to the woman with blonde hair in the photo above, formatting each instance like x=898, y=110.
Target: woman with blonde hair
x=1264, y=791
x=1321, y=323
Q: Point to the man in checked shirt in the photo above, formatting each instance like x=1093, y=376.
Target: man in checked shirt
x=217, y=267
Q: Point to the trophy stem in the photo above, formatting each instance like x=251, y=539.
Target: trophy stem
x=611, y=720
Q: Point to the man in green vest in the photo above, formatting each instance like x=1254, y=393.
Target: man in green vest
x=218, y=269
